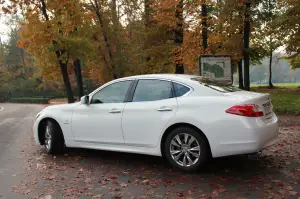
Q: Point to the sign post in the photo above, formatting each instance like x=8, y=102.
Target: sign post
x=216, y=67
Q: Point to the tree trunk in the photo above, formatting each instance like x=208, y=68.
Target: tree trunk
x=246, y=48
x=115, y=42
x=148, y=13
x=22, y=56
x=114, y=14
x=147, y=22
x=110, y=54
x=204, y=25
x=77, y=66
x=179, y=69
x=270, y=70
x=63, y=66
x=64, y=72
x=178, y=38
x=240, y=71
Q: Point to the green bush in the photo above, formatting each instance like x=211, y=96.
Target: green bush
x=29, y=100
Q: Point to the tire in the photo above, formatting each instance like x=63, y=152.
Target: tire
x=54, y=140
x=193, y=162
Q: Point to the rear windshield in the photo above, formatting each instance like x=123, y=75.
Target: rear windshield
x=224, y=88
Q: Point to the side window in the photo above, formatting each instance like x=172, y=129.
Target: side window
x=180, y=89
x=152, y=90
x=114, y=93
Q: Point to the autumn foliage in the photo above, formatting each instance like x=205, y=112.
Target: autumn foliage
x=120, y=38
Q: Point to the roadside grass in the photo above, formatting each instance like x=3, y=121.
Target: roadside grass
x=281, y=85
x=285, y=100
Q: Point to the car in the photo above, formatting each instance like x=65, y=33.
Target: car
x=187, y=119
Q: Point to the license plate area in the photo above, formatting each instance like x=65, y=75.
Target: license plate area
x=268, y=109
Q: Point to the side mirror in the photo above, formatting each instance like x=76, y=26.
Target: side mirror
x=84, y=100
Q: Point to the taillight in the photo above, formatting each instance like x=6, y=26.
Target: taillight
x=247, y=110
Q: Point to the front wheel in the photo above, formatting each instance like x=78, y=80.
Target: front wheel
x=54, y=140
x=186, y=149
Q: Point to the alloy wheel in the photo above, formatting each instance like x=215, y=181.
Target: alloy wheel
x=185, y=150
x=48, y=138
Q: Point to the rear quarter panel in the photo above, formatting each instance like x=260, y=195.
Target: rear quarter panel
x=208, y=114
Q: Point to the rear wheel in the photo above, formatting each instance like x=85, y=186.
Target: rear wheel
x=186, y=149
x=54, y=140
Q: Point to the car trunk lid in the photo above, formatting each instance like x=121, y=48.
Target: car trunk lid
x=263, y=100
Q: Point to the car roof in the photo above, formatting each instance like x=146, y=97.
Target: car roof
x=185, y=79
x=175, y=77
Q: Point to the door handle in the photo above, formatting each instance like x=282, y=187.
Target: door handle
x=164, y=108
x=114, y=110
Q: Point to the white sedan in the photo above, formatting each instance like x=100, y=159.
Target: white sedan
x=180, y=117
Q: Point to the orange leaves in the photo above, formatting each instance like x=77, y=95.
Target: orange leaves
x=245, y=1
x=20, y=44
x=178, y=59
x=137, y=49
x=237, y=57
x=6, y=10
x=91, y=15
x=51, y=73
x=9, y=7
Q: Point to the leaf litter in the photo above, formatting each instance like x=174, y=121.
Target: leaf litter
x=78, y=173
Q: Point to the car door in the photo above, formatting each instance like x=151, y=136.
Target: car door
x=100, y=121
x=153, y=105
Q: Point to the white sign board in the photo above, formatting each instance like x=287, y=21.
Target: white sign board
x=216, y=67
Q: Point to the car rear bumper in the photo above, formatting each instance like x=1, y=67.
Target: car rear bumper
x=255, y=137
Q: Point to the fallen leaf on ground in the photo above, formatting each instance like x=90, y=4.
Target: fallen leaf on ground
x=99, y=196
x=145, y=182
x=124, y=185
x=117, y=195
x=47, y=197
x=293, y=193
x=114, y=177
x=87, y=180
x=290, y=188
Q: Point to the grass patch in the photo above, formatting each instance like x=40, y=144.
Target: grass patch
x=30, y=100
x=281, y=85
x=286, y=101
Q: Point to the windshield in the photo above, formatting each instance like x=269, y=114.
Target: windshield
x=218, y=86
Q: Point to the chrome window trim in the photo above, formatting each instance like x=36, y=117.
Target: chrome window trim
x=186, y=94
x=106, y=85
x=141, y=78
x=170, y=80
x=152, y=78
